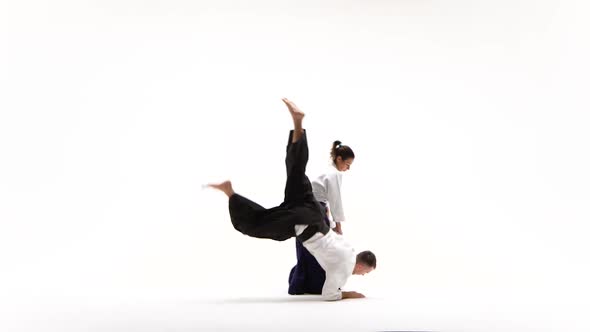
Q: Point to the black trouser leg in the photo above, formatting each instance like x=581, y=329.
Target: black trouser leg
x=298, y=188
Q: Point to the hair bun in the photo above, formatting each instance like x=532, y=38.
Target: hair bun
x=339, y=150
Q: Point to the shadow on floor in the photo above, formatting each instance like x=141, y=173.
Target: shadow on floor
x=286, y=299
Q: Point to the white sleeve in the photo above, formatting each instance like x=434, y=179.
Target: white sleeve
x=333, y=183
x=331, y=290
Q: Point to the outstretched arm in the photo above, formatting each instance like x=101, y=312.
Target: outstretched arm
x=331, y=290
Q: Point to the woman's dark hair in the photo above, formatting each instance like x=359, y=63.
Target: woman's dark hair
x=367, y=258
x=339, y=150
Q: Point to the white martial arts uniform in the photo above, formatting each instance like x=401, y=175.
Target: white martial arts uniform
x=326, y=189
x=336, y=256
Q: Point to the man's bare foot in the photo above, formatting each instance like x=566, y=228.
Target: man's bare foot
x=297, y=116
x=296, y=113
x=223, y=186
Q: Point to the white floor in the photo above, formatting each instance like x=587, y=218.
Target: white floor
x=186, y=310
x=469, y=120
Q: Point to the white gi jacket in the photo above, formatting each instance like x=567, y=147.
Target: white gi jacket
x=326, y=188
x=336, y=256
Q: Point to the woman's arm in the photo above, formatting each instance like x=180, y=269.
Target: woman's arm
x=333, y=183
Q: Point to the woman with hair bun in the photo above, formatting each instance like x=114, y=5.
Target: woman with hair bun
x=326, y=188
x=308, y=277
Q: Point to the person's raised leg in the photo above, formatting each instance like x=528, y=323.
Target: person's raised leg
x=225, y=186
x=246, y=215
x=298, y=187
x=297, y=116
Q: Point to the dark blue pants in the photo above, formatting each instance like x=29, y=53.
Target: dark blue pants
x=307, y=277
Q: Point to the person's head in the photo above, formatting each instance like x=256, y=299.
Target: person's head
x=365, y=263
x=342, y=156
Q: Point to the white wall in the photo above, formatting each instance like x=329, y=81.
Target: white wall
x=469, y=120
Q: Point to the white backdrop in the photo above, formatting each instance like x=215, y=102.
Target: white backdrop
x=469, y=120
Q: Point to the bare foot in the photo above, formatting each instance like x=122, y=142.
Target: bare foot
x=296, y=113
x=223, y=186
x=297, y=116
